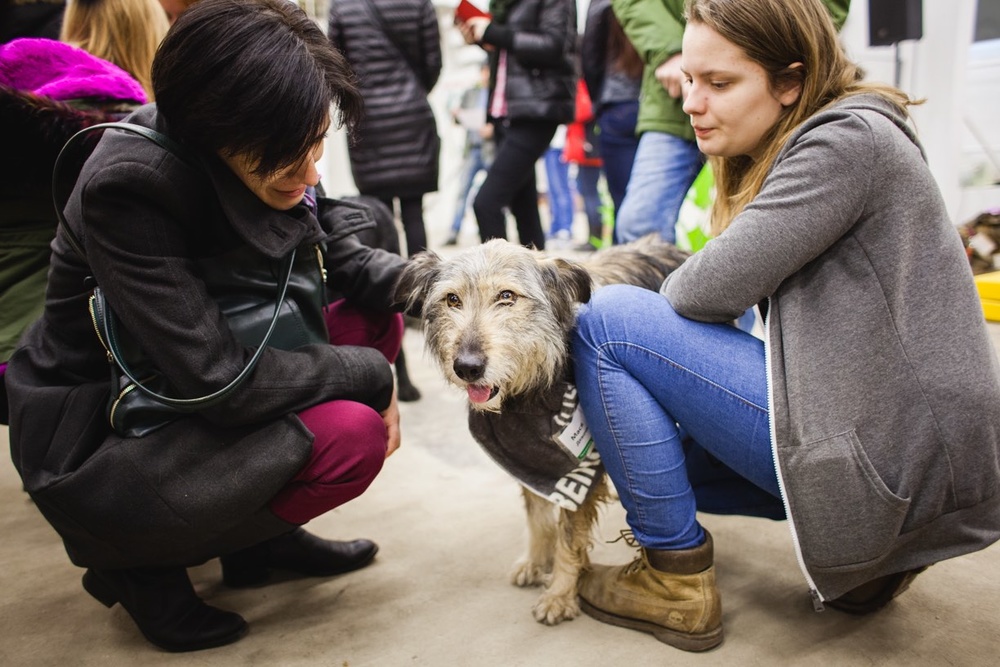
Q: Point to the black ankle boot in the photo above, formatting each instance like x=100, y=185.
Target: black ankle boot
x=163, y=604
x=299, y=552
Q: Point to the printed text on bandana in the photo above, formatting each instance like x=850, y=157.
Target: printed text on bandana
x=571, y=489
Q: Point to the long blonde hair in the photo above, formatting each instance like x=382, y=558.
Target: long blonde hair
x=775, y=34
x=124, y=32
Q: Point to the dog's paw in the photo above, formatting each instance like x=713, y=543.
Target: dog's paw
x=553, y=609
x=527, y=573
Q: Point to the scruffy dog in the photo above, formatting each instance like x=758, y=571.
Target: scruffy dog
x=497, y=318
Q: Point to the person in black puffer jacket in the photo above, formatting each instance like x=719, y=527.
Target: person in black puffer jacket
x=395, y=49
x=532, y=48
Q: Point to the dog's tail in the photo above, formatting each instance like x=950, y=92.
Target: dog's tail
x=645, y=262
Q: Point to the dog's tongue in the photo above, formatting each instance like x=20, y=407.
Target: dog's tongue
x=479, y=393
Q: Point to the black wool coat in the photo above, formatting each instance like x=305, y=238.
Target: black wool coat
x=200, y=486
x=396, y=146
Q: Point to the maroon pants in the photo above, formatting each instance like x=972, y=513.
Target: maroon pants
x=350, y=438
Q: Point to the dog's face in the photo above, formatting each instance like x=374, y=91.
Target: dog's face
x=496, y=316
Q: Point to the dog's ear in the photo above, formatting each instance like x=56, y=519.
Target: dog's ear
x=415, y=280
x=572, y=279
x=568, y=283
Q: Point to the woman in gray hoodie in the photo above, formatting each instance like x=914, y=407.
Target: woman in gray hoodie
x=868, y=416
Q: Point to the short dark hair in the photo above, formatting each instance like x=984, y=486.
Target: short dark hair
x=252, y=77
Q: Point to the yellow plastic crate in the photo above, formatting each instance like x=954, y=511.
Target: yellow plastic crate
x=988, y=285
x=991, y=309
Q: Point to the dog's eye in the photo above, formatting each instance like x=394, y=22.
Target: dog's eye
x=453, y=301
x=506, y=297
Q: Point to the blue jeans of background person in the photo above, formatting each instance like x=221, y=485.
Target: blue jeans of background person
x=678, y=412
x=618, y=143
x=587, y=178
x=560, y=197
x=471, y=166
x=665, y=167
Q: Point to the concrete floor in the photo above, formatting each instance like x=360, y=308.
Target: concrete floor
x=450, y=525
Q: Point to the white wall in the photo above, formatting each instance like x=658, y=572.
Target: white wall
x=961, y=84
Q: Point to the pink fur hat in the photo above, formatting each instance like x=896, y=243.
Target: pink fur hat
x=63, y=72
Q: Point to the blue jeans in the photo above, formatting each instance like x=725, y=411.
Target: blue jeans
x=678, y=412
x=472, y=165
x=587, y=179
x=560, y=197
x=665, y=167
x=616, y=125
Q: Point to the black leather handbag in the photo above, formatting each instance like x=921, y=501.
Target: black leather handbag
x=266, y=303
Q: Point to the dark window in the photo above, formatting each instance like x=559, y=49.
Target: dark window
x=987, y=20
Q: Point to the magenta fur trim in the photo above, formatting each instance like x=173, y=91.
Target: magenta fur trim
x=63, y=72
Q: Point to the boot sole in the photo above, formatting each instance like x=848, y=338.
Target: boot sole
x=683, y=640
x=104, y=594
x=202, y=645
x=261, y=575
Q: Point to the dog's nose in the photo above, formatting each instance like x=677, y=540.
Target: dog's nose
x=470, y=366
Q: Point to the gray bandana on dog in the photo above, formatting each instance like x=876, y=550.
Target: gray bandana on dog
x=540, y=440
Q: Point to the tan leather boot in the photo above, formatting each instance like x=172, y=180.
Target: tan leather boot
x=669, y=594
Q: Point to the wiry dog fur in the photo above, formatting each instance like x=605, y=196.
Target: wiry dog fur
x=497, y=318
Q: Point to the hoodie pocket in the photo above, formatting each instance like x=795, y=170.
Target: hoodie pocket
x=844, y=513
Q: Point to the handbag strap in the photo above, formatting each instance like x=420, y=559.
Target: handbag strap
x=106, y=322
x=104, y=317
x=159, y=138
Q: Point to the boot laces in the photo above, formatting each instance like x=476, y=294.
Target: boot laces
x=638, y=563
x=628, y=536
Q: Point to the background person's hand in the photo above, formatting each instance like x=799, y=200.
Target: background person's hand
x=474, y=29
x=670, y=76
x=390, y=416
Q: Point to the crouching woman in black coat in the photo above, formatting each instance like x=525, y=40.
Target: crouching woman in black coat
x=246, y=88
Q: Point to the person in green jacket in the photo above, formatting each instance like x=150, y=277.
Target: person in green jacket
x=667, y=160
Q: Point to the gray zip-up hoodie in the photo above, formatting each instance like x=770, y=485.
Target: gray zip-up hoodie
x=883, y=384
